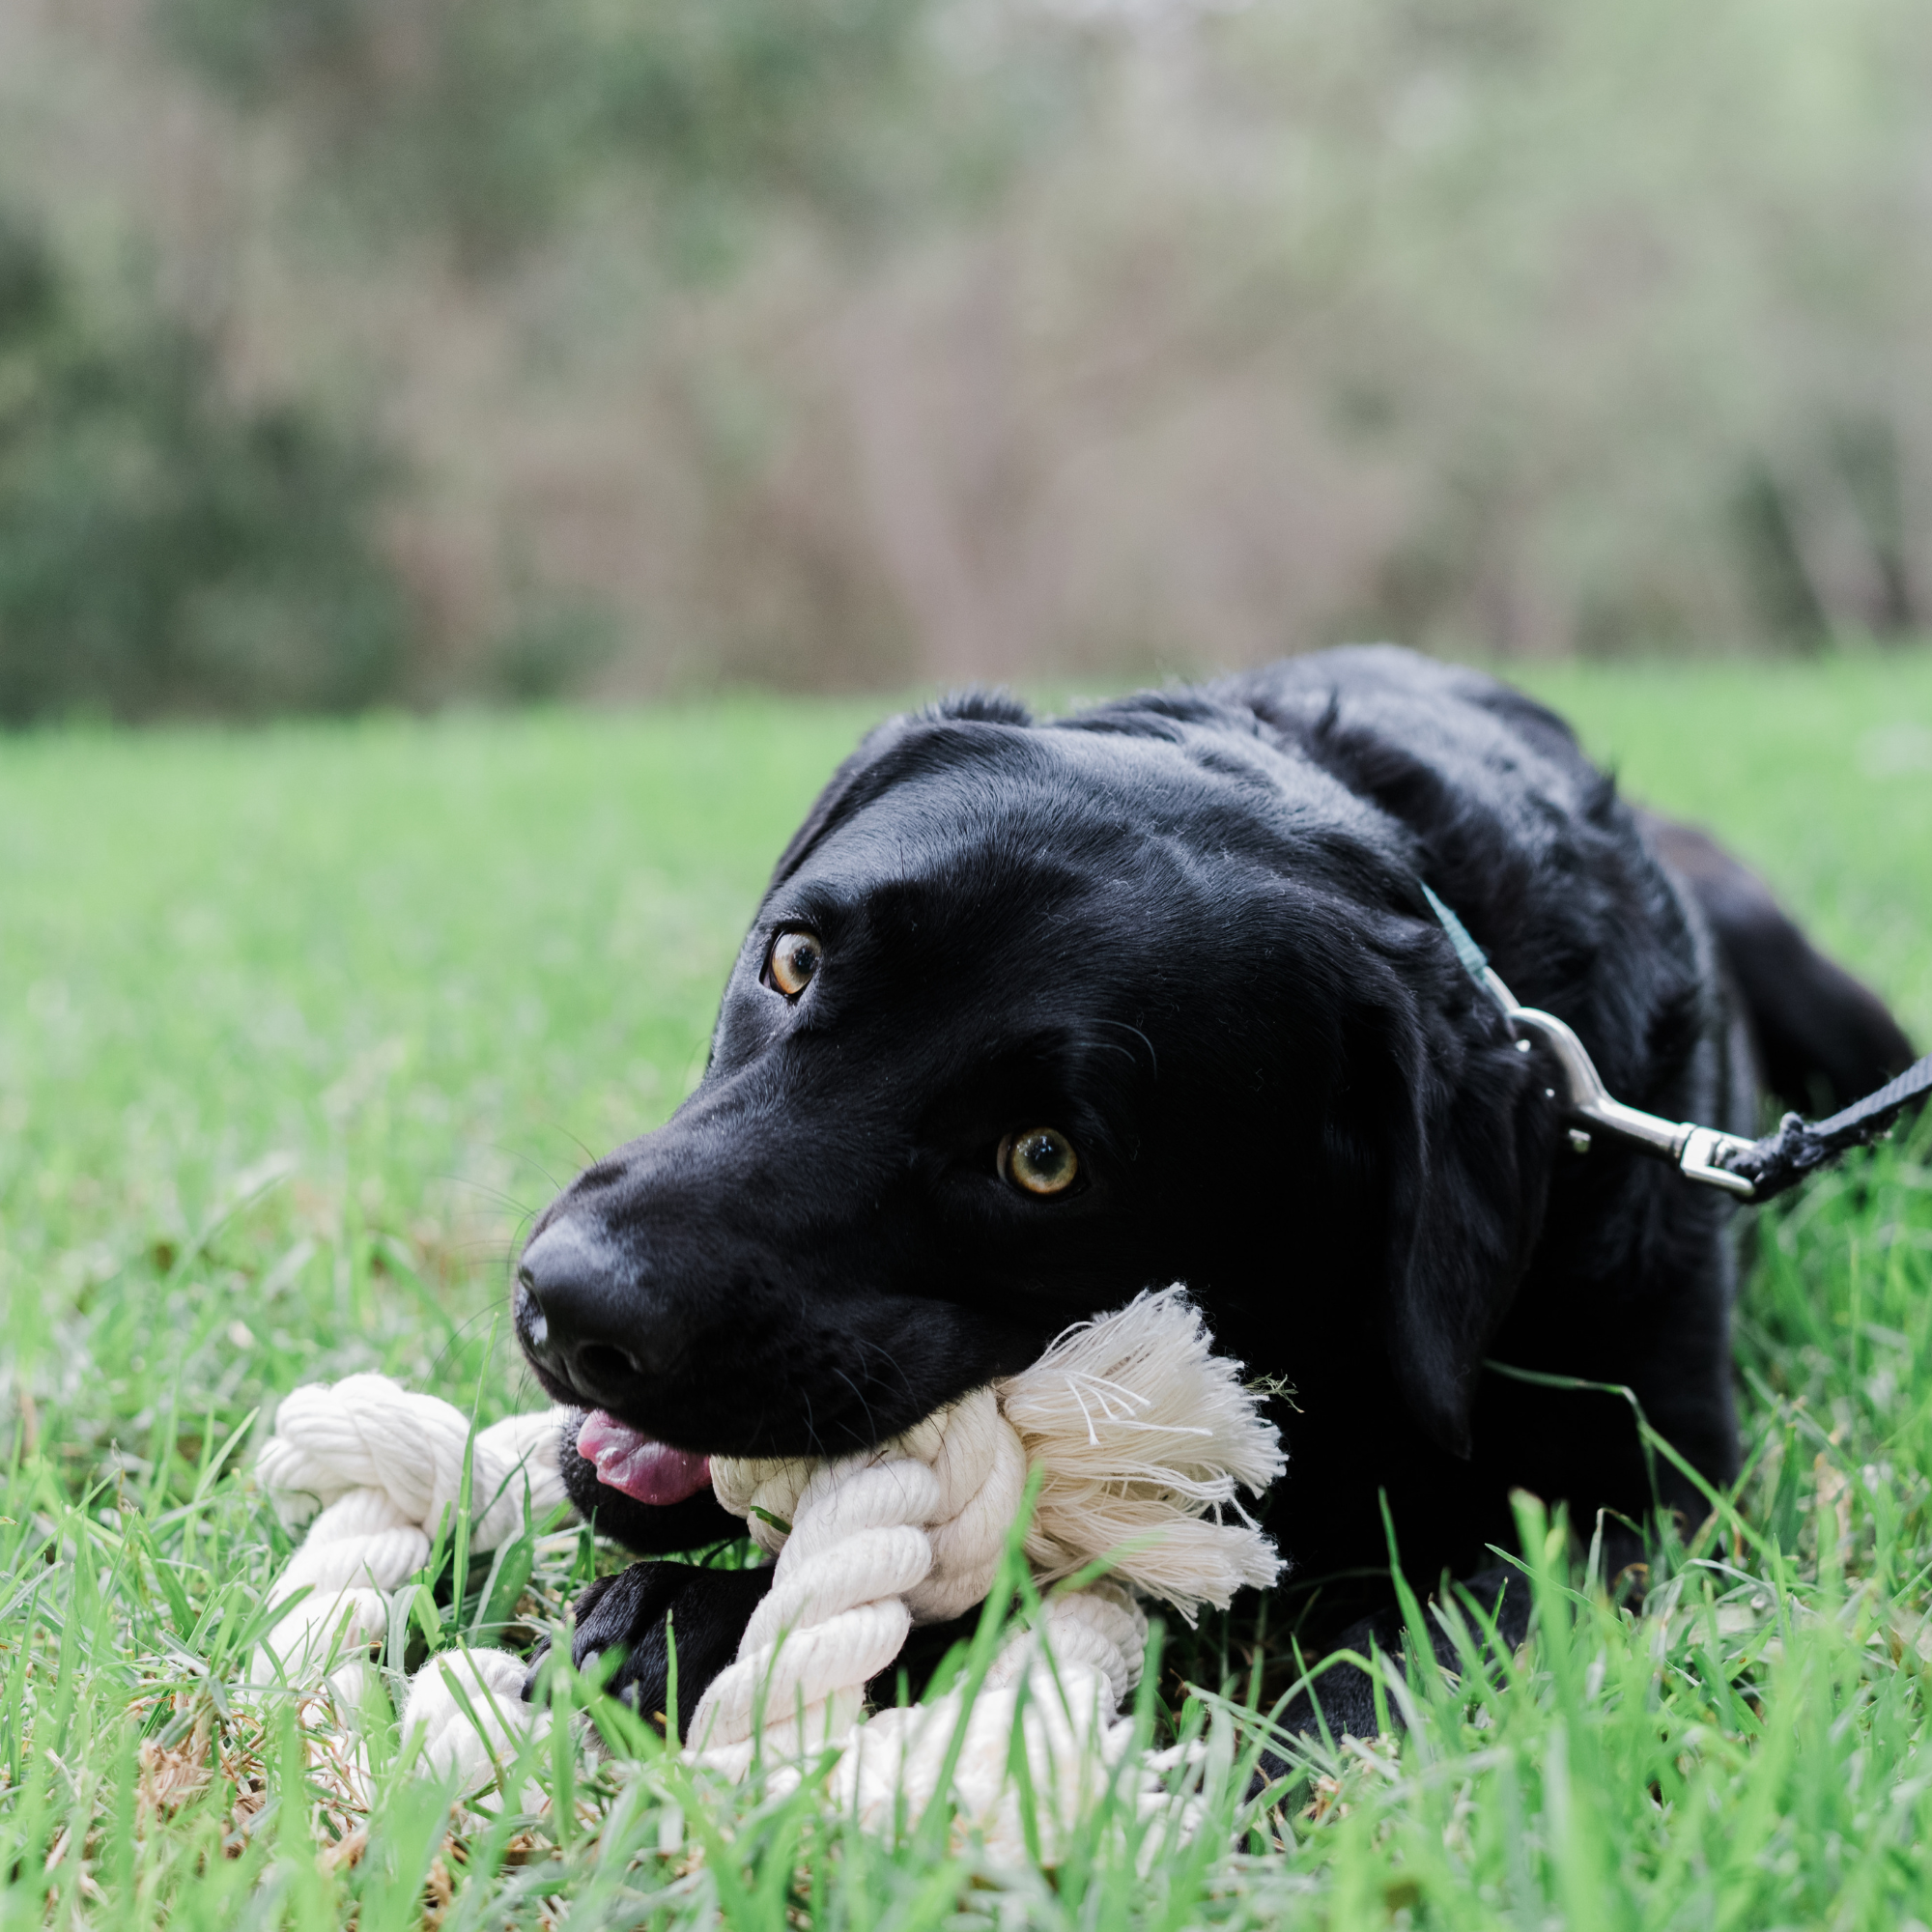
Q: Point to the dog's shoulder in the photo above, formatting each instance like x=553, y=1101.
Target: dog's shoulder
x=1384, y=717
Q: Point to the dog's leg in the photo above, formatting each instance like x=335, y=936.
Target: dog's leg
x=1343, y=1696
x=646, y=1608
x=1823, y=1038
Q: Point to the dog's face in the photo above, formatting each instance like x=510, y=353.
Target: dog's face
x=1029, y=1018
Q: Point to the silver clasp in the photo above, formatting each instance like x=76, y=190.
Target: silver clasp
x=1695, y=1152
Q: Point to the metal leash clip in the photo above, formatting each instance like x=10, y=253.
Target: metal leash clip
x=1695, y=1152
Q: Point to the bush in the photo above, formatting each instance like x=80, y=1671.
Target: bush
x=163, y=547
x=491, y=117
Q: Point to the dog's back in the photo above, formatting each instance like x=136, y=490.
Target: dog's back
x=1820, y=1037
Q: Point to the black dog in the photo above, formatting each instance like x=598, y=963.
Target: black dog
x=1034, y=1015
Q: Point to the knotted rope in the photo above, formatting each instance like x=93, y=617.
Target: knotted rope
x=383, y=1465
x=1136, y=1428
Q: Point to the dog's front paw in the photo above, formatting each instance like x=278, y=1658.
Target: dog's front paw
x=643, y=1609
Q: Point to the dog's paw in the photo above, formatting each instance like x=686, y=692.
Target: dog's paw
x=1341, y=1699
x=641, y=1610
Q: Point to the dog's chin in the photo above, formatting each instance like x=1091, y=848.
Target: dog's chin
x=639, y=1466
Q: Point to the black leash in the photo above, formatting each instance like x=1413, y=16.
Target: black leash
x=1754, y=1170
x=1783, y=1160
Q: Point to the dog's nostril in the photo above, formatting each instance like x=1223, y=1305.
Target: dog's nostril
x=528, y=1312
x=579, y=1312
x=600, y=1362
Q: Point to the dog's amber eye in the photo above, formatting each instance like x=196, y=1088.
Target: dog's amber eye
x=794, y=960
x=1041, y=1161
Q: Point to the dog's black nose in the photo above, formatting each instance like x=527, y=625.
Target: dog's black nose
x=577, y=1312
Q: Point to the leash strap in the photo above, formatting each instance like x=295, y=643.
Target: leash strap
x=1799, y=1147
x=1754, y=1170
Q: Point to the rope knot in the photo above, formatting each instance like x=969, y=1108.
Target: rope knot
x=1142, y=1437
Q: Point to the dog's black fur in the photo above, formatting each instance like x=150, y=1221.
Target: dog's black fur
x=1187, y=929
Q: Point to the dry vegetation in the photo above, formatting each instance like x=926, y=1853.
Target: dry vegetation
x=893, y=338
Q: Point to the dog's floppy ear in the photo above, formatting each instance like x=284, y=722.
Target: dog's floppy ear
x=1465, y=1138
x=980, y=706
x=886, y=753
x=844, y=792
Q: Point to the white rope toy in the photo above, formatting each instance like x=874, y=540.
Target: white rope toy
x=1137, y=1429
x=383, y=1465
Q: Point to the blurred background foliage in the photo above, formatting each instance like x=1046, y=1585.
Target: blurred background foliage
x=161, y=544
x=419, y=349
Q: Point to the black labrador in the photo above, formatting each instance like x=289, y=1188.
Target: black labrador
x=1037, y=1013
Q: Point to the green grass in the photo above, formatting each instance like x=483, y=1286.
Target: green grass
x=296, y=1027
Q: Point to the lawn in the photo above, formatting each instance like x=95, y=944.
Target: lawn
x=296, y=1026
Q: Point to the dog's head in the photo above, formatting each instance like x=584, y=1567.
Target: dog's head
x=1031, y=1017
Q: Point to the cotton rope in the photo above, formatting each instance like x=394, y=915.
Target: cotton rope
x=1140, y=1435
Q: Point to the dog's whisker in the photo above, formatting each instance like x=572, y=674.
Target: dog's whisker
x=1153, y=1059
x=871, y=1425
x=898, y=1368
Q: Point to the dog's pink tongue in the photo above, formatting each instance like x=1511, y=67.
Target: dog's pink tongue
x=653, y=1472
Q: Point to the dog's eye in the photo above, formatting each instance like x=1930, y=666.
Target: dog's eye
x=1041, y=1161
x=794, y=960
